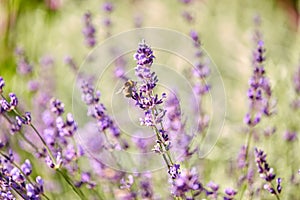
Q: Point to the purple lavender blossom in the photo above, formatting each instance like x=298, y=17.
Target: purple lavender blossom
x=290, y=136
x=57, y=106
x=107, y=22
x=242, y=162
x=2, y=84
x=146, y=188
x=12, y=179
x=33, y=85
x=26, y=167
x=267, y=173
x=98, y=111
x=13, y=100
x=108, y=7
x=214, y=188
x=259, y=91
x=187, y=182
x=229, y=194
x=187, y=16
x=23, y=65
x=70, y=61
x=89, y=30
x=5, y=105
x=174, y=171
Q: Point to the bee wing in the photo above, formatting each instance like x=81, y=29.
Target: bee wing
x=120, y=90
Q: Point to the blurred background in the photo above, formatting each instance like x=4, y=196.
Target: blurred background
x=49, y=31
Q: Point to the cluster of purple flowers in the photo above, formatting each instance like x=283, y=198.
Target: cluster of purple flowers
x=16, y=179
x=108, y=8
x=186, y=14
x=187, y=182
x=98, y=111
x=166, y=124
x=201, y=88
x=24, y=67
x=259, y=92
x=89, y=30
x=267, y=173
x=147, y=100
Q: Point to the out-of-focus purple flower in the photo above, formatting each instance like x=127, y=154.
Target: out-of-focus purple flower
x=138, y=21
x=98, y=111
x=194, y=35
x=266, y=172
x=70, y=61
x=242, y=163
x=107, y=22
x=23, y=66
x=127, y=183
x=119, y=70
x=214, y=188
x=187, y=16
x=187, y=181
x=290, y=136
x=186, y=1
x=108, y=7
x=49, y=162
x=201, y=89
x=2, y=84
x=47, y=61
x=33, y=85
x=229, y=194
x=141, y=143
x=40, y=184
x=26, y=167
x=296, y=79
x=89, y=30
x=146, y=188
x=32, y=193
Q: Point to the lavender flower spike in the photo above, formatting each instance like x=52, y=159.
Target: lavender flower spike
x=267, y=173
x=259, y=91
x=89, y=30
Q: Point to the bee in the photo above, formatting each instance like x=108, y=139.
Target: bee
x=127, y=88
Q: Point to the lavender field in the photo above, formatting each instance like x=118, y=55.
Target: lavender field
x=137, y=99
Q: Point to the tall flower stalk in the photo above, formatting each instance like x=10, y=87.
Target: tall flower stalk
x=260, y=104
x=149, y=102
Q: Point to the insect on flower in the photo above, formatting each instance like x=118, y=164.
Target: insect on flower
x=127, y=88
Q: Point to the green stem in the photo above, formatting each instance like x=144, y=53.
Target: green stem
x=44, y=142
x=248, y=142
x=160, y=145
x=21, y=134
x=67, y=179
